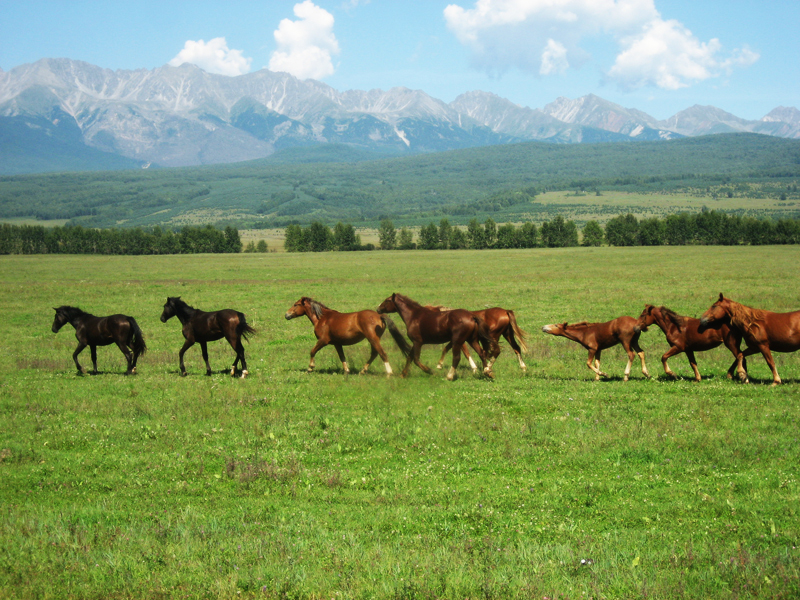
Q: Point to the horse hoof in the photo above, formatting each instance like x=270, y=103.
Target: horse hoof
x=233, y=372
x=244, y=373
x=183, y=374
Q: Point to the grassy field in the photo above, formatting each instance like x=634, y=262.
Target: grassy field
x=295, y=485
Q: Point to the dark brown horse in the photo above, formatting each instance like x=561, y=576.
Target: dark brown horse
x=685, y=334
x=596, y=337
x=501, y=322
x=762, y=330
x=101, y=331
x=426, y=325
x=203, y=327
x=345, y=329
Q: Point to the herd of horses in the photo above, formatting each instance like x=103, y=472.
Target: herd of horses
x=725, y=322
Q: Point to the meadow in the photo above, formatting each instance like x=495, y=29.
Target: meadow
x=287, y=484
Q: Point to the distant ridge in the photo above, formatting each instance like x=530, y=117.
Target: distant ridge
x=62, y=114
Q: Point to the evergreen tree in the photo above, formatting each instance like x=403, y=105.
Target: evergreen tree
x=293, y=241
x=592, y=234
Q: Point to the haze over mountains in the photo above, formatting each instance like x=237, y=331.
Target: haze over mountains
x=61, y=114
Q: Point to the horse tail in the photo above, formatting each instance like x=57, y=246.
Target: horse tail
x=137, y=337
x=243, y=329
x=489, y=344
x=398, y=336
x=517, y=332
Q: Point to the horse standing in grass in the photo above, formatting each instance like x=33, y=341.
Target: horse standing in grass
x=685, y=334
x=101, y=331
x=345, y=329
x=203, y=327
x=596, y=337
x=762, y=330
x=500, y=321
x=426, y=325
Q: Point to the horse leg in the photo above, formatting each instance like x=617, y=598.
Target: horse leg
x=669, y=354
x=128, y=357
x=512, y=341
x=186, y=345
x=414, y=355
x=377, y=349
x=239, y=356
x=458, y=348
x=93, y=349
x=693, y=363
x=78, y=350
x=445, y=350
x=776, y=379
x=472, y=364
x=740, y=362
x=317, y=347
x=485, y=360
x=342, y=359
x=640, y=354
x=204, y=349
x=593, y=362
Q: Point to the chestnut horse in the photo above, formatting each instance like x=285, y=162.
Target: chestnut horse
x=345, y=329
x=596, y=337
x=426, y=325
x=203, y=327
x=101, y=331
x=685, y=334
x=500, y=321
x=764, y=331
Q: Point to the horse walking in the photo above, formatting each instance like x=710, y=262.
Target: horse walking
x=102, y=331
x=203, y=327
x=762, y=330
x=685, y=334
x=596, y=337
x=501, y=322
x=346, y=329
x=426, y=325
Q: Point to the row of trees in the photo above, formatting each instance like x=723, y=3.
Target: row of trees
x=704, y=228
x=35, y=239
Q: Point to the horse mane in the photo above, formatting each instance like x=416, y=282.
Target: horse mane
x=744, y=316
x=438, y=307
x=677, y=319
x=408, y=300
x=316, y=306
x=180, y=305
x=72, y=312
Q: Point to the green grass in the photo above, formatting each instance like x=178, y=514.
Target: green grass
x=296, y=485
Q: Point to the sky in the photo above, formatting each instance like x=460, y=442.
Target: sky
x=658, y=56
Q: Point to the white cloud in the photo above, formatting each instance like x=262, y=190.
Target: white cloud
x=213, y=57
x=544, y=37
x=306, y=46
x=554, y=58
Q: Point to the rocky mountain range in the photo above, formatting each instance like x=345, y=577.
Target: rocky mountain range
x=61, y=114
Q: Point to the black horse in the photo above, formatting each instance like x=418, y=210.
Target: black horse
x=203, y=327
x=101, y=331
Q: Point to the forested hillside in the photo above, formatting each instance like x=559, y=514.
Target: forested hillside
x=501, y=181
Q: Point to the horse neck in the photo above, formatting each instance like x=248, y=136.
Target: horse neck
x=575, y=334
x=406, y=307
x=76, y=316
x=665, y=323
x=184, y=312
x=743, y=316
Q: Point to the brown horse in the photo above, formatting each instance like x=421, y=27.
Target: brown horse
x=596, y=337
x=345, y=329
x=203, y=327
x=685, y=334
x=764, y=331
x=426, y=325
x=101, y=331
x=500, y=321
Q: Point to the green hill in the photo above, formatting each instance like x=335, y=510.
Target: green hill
x=499, y=181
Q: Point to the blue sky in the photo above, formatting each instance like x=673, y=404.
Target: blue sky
x=660, y=56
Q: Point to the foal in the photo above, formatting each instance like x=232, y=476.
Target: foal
x=345, y=329
x=596, y=337
x=101, y=331
x=203, y=327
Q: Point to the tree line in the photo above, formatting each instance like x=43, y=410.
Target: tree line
x=704, y=228
x=36, y=239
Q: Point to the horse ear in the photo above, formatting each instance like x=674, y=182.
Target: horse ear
x=55, y=309
x=720, y=297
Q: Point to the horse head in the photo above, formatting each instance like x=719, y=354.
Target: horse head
x=388, y=305
x=645, y=319
x=62, y=318
x=304, y=306
x=719, y=311
x=170, y=308
x=555, y=328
